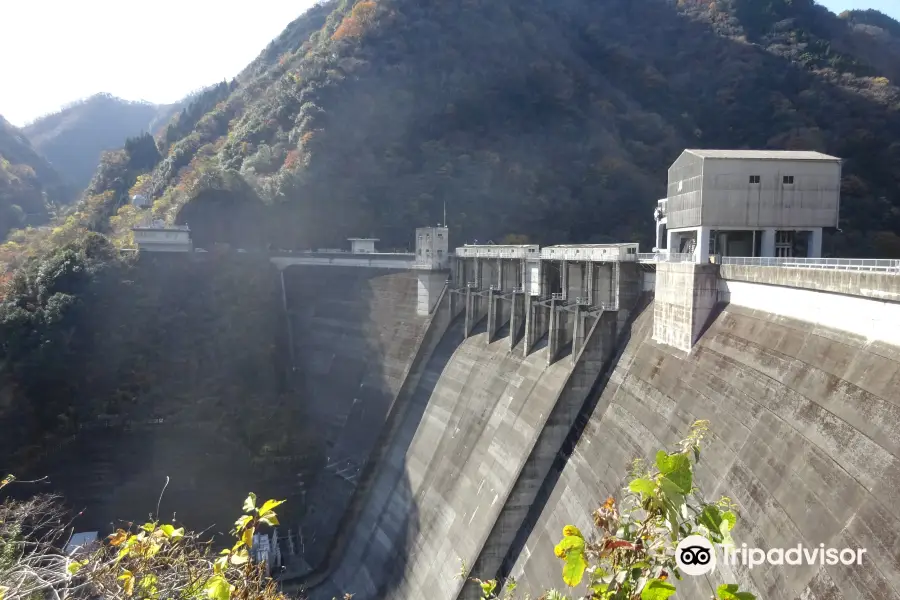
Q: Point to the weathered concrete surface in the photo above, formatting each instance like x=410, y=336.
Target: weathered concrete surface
x=356, y=332
x=472, y=422
x=805, y=438
x=884, y=286
x=686, y=295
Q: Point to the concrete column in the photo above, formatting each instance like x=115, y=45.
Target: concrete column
x=564, y=279
x=578, y=333
x=516, y=319
x=492, y=301
x=554, y=334
x=499, y=279
x=430, y=285
x=702, y=253
x=815, y=243
x=528, y=308
x=457, y=304
x=767, y=246
x=575, y=278
x=470, y=312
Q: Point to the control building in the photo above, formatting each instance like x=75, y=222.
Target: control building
x=362, y=245
x=156, y=236
x=748, y=203
x=432, y=245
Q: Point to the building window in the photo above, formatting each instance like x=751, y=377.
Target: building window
x=440, y=236
x=754, y=179
x=789, y=179
x=440, y=253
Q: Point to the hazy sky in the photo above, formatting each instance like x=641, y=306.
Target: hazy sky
x=58, y=51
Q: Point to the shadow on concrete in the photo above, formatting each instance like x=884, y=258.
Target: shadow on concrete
x=588, y=410
x=351, y=345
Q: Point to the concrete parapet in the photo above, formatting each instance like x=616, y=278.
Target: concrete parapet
x=881, y=286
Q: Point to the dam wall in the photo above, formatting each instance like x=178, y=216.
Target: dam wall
x=804, y=438
x=473, y=424
x=356, y=331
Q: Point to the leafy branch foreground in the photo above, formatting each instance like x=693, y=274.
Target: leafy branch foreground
x=154, y=561
x=633, y=557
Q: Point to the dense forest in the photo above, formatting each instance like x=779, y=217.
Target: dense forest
x=552, y=120
x=31, y=191
x=74, y=138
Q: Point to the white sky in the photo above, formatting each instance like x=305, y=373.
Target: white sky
x=58, y=51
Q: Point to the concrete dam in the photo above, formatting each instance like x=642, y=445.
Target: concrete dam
x=469, y=420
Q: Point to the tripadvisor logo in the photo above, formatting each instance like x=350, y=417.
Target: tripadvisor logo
x=695, y=555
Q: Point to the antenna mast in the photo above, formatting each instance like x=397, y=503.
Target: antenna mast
x=445, y=213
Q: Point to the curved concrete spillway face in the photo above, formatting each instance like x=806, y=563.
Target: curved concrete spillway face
x=447, y=484
x=355, y=331
x=804, y=424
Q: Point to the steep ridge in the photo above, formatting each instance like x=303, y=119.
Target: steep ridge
x=804, y=423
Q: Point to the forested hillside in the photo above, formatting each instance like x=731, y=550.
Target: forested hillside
x=551, y=119
x=74, y=138
x=29, y=186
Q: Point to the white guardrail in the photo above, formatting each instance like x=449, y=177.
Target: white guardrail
x=884, y=265
x=531, y=251
x=650, y=257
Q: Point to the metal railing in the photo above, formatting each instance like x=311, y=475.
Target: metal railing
x=883, y=265
x=647, y=257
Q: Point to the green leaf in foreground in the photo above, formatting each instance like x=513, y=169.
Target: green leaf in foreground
x=729, y=591
x=657, y=589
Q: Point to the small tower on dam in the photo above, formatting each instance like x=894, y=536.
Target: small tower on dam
x=432, y=263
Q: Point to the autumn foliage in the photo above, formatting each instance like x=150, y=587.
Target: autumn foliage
x=357, y=22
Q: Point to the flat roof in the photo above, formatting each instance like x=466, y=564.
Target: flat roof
x=616, y=245
x=363, y=240
x=763, y=154
x=498, y=245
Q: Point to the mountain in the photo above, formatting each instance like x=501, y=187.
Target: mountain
x=74, y=138
x=550, y=119
x=29, y=186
